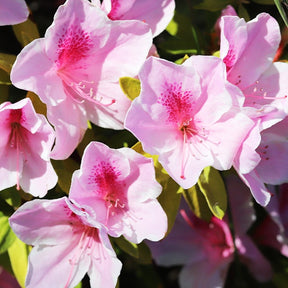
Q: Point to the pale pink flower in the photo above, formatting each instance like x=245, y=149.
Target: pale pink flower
x=76, y=68
x=120, y=185
x=188, y=115
x=206, y=249
x=66, y=245
x=271, y=169
x=13, y=12
x=248, y=50
x=26, y=142
x=157, y=14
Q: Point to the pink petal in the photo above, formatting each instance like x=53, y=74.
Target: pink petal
x=46, y=230
x=13, y=12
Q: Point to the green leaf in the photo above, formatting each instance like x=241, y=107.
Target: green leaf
x=282, y=11
x=212, y=186
x=12, y=198
x=127, y=246
x=6, y=62
x=7, y=236
x=243, y=13
x=212, y=5
x=130, y=86
x=18, y=253
x=64, y=169
x=79, y=285
x=26, y=32
x=197, y=202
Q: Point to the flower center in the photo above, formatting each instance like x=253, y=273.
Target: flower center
x=109, y=188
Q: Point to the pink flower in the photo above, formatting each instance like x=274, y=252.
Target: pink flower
x=121, y=186
x=157, y=14
x=271, y=169
x=66, y=245
x=206, y=249
x=26, y=142
x=75, y=70
x=13, y=12
x=248, y=50
x=188, y=115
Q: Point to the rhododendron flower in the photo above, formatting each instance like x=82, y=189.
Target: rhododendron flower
x=66, y=245
x=13, y=12
x=120, y=185
x=188, y=115
x=157, y=14
x=243, y=46
x=26, y=142
x=271, y=169
x=206, y=249
x=254, y=44
x=76, y=68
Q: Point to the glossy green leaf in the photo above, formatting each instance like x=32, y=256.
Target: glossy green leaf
x=18, y=253
x=79, y=285
x=64, y=169
x=282, y=10
x=197, y=202
x=212, y=5
x=212, y=186
x=12, y=197
x=7, y=236
x=26, y=32
x=170, y=196
x=130, y=86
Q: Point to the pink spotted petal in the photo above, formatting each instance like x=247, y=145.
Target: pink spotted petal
x=46, y=230
x=264, y=32
x=157, y=14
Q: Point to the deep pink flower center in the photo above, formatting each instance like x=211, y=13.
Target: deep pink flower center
x=217, y=238
x=230, y=58
x=180, y=107
x=73, y=45
x=74, y=51
x=109, y=187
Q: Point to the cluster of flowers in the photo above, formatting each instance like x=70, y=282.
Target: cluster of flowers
x=226, y=111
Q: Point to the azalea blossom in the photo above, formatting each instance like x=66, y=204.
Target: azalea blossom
x=13, y=12
x=75, y=70
x=206, y=249
x=26, y=142
x=66, y=245
x=120, y=185
x=189, y=115
x=254, y=44
x=157, y=14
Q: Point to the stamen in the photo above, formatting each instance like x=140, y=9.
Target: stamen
x=186, y=218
